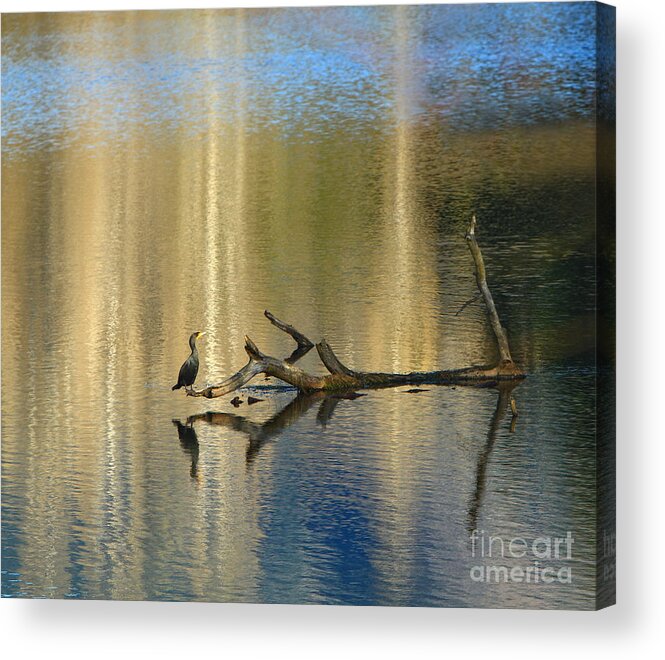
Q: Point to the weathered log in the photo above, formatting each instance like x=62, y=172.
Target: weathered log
x=341, y=377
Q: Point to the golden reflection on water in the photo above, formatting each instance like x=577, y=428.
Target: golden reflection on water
x=120, y=243
x=110, y=299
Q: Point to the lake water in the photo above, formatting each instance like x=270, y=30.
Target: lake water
x=165, y=172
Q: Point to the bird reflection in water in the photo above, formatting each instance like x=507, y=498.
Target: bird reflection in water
x=190, y=445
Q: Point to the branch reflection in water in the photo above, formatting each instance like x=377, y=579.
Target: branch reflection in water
x=190, y=444
x=260, y=433
x=502, y=403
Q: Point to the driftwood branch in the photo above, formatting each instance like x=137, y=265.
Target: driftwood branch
x=481, y=281
x=341, y=377
x=301, y=340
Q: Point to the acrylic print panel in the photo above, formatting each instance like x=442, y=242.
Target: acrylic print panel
x=172, y=172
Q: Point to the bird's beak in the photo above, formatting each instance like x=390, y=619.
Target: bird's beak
x=202, y=333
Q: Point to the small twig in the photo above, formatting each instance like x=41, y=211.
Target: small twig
x=513, y=410
x=467, y=303
x=513, y=406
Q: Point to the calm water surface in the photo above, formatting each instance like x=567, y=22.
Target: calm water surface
x=177, y=171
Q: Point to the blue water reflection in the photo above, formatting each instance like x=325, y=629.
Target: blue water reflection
x=304, y=72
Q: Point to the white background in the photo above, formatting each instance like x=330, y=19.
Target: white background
x=634, y=627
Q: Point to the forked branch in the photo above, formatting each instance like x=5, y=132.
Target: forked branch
x=342, y=377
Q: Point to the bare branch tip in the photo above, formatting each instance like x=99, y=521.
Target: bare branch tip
x=471, y=231
x=252, y=349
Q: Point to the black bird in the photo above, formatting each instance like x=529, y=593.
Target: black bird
x=190, y=367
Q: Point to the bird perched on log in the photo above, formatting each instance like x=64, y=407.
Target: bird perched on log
x=190, y=367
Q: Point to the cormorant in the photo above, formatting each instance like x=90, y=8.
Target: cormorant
x=190, y=367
